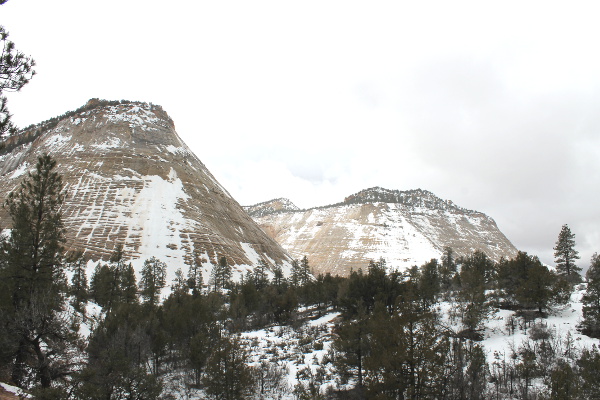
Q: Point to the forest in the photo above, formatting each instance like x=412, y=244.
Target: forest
x=413, y=334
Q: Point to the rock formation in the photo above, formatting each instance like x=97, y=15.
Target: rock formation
x=129, y=179
x=404, y=227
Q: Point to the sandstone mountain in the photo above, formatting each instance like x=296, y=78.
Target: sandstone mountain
x=130, y=180
x=404, y=227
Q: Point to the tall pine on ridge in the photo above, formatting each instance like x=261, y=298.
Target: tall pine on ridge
x=565, y=255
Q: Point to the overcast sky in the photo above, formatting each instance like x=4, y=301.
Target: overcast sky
x=495, y=107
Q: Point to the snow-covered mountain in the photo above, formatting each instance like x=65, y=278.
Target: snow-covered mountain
x=404, y=227
x=129, y=179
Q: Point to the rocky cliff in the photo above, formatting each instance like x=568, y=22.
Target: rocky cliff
x=130, y=180
x=404, y=227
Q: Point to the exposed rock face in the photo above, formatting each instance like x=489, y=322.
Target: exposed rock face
x=130, y=179
x=270, y=207
x=404, y=227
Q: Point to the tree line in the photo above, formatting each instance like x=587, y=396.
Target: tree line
x=114, y=336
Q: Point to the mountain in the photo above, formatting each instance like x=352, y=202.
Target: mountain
x=404, y=227
x=270, y=207
x=129, y=179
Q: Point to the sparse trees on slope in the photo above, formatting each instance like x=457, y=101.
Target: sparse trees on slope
x=566, y=255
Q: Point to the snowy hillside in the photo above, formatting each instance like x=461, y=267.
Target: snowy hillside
x=405, y=228
x=129, y=179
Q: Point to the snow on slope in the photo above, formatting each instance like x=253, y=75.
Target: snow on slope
x=129, y=179
x=404, y=228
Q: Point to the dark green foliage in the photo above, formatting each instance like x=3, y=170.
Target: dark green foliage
x=526, y=283
x=351, y=346
x=221, y=275
x=154, y=278
x=475, y=277
x=589, y=365
x=15, y=72
x=448, y=271
x=429, y=283
x=195, y=280
x=118, y=352
x=227, y=375
x=114, y=283
x=79, y=282
x=591, y=299
x=566, y=255
x=32, y=282
x=300, y=272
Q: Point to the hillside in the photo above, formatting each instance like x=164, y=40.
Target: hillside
x=404, y=227
x=129, y=179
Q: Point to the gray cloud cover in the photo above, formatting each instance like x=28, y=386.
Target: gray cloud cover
x=492, y=106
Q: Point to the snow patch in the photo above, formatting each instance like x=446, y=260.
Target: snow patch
x=23, y=168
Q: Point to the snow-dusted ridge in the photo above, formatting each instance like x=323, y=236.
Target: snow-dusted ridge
x=405, y=228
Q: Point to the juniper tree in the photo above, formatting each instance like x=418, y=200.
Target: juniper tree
x=565, y=255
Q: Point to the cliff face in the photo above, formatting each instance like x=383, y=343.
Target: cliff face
x=405, y=228
x=130, y=180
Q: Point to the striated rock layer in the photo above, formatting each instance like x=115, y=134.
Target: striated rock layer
x=404, y=227
x=130, y=180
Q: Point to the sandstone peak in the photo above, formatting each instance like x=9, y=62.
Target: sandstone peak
x=130, y=179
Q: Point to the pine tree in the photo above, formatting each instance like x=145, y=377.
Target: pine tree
x=32, y=279
x=79, y=282
x=15, y=71
x=154, y=278
x=221, y=275
x=260, y=277
x=591, y=299
x=227, y=375
x=565, y=255
x=194, y=277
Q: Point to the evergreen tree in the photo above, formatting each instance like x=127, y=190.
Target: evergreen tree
x=119, y=352
x=447, y=270
x=429, y=283
x=79, y=282
x=15, y=71
x=227, y=374
x=101, y=285
x=194, y=278
x=179, y=286
x=351, y=348
x=32, y=281
x=221, y=275
x=154, y=278
x=565, y=255
x=128, y=289
x=260, y=276
x=475, y=273
x=591, y=299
